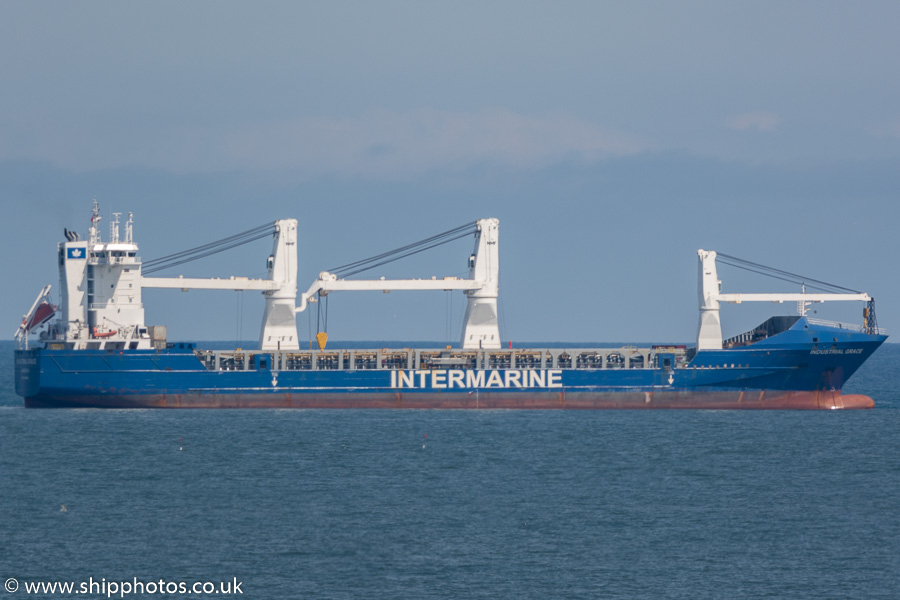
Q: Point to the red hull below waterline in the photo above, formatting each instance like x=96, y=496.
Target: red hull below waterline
x=739, y=400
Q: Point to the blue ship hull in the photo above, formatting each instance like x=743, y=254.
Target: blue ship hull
x=804, y=367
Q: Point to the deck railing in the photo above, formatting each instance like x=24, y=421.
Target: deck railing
x=847, y=326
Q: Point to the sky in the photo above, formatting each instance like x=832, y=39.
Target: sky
x=612, y=140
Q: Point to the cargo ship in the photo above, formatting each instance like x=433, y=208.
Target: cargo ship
x=94, y=349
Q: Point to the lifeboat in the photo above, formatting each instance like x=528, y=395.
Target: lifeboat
x=104, y=334
x=43, y=313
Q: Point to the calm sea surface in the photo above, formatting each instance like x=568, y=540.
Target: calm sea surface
x=443, y=504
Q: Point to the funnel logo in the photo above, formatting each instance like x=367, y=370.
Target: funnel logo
x=75, y=253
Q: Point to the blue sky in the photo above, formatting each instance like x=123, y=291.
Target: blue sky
x=611, y=140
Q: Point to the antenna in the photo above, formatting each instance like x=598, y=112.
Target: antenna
x=95, y=223
x=114, y=229
x=802, y=304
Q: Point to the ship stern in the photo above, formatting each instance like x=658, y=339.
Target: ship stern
x=28, y=372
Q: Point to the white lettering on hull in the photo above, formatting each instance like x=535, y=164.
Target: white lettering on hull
x=439, y=379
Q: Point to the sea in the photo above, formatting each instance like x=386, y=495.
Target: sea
x=401, y=504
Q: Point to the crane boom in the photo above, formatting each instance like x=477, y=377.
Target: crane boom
x=480, y=327
x=190, y=283
x=279, y=326
x=709, y=330
x=738, y=298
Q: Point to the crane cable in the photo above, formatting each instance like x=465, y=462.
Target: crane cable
x=367, y=264
x=753, y=267
x=233, y=241
x=396, y=254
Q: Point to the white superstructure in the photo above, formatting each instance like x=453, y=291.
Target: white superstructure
x=100, y=289
x=101, y=284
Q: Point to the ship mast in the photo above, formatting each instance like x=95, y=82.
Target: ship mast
x=95, y=224
x=802, y=304
x=114, y=229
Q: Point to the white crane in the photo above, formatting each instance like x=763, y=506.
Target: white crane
x=480, y=325
x=279, y=325
x=709, y=332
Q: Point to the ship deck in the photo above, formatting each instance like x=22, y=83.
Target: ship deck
x=626, y=357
